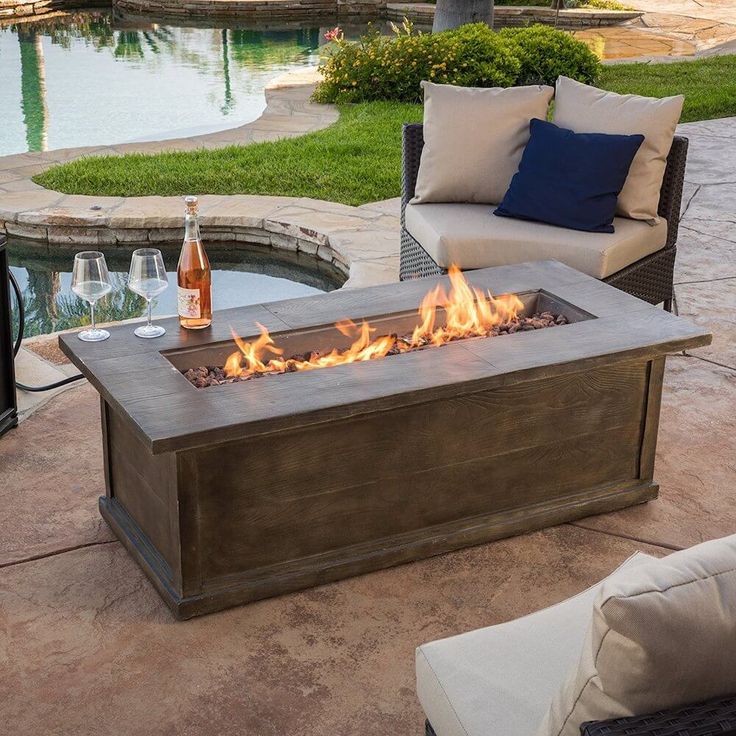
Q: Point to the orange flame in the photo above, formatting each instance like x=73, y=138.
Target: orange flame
x=469, y=312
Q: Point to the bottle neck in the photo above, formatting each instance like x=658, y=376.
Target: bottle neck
x=191, y=227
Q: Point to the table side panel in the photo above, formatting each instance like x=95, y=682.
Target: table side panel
x=144, y=485
x=291, y=495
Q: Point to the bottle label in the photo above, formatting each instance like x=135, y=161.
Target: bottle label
x=189, y=303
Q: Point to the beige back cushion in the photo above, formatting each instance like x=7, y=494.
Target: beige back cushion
x=585, y=109
x=473, y=140
x=662, y=636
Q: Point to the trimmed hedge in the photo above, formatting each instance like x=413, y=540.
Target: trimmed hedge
x=380, y=67
x=545, y=53
x=392, y=67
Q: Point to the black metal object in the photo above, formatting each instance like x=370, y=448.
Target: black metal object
x=8, y=405
x=19, y=341
x=711, y=718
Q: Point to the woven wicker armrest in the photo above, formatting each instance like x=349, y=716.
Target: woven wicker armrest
x=412, y=145
x=711, y=718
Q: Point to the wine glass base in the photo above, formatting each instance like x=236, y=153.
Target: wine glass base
x=149, y=331
x=95, y=335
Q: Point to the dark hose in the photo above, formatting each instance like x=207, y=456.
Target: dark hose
x=19, y=339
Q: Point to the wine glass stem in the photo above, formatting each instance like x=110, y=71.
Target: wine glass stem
x=148, y=304
x=92, y=310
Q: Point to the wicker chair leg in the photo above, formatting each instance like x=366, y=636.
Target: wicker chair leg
x=668, y=305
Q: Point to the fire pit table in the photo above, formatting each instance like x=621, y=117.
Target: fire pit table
x=235, y=492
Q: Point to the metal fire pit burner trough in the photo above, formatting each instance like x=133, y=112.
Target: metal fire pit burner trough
x=232, y=493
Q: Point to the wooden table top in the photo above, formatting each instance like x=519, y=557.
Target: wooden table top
x=133, y=375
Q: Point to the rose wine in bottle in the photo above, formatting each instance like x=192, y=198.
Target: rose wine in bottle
x=194, y=276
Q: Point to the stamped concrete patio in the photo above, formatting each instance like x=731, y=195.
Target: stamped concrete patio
x=88, y=648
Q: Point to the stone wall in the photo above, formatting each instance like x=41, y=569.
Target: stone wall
x=265, y=10
x=255, y=10
x=22, y=8
x=26, y=9
x=509, y=15
x=295, y=10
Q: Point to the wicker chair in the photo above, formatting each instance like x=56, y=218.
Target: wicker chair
x=712, y=718
x=650, y=279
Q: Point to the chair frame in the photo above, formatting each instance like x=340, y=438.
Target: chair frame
x=650, y=278
x=711, y=718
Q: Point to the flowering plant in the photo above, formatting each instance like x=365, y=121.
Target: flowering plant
x=392, y=67
x=335, y=34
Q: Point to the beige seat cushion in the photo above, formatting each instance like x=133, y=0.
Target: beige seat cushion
x=471, y=236
x=499, y=681
x=473, y=140
x=662, y=636
x=585, y=109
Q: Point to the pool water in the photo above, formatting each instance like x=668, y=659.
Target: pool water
x=241, y=275
x=90, y=78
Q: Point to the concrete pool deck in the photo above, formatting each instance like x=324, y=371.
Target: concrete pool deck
x=90, y=649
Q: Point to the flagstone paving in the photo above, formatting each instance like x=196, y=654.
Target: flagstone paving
x=627, y=42
x=88, y=648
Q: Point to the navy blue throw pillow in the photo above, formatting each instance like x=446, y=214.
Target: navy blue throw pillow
x=570, y=179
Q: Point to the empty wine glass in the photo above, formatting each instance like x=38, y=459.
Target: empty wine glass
x=91, y=281
x=148, y=279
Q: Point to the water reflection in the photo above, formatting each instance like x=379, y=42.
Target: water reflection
x=91, y=78
x=33, y=89
x=242, y=275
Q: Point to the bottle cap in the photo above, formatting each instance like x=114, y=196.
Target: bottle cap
x=191, y=203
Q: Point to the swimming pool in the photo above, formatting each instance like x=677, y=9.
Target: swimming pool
x=241, y=274
x=91, y=78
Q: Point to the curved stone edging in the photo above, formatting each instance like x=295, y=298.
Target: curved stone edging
x=362, y=242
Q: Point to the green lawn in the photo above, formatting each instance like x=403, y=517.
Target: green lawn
x=709, y=85
x=358, y=159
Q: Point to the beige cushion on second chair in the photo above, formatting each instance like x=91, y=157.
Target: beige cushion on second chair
x=587, y=109
x=499, y=680
x=473, y=140
x=662, y=636
x=471, y=236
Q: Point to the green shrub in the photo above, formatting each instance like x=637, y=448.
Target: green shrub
x=392, y=67
x=546, y=53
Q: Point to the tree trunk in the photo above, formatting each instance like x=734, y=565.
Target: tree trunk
x=453, y=13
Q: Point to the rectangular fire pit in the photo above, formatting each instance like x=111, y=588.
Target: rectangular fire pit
x=241, y=491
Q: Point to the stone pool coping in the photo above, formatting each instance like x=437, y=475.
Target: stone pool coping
x=522, y=15
x=272, y=10
x=359, y=241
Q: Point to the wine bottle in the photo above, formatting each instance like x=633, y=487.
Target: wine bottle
x=194, y=277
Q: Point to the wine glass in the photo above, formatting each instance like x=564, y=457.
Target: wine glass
x=91, y=281
x=148, y=279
